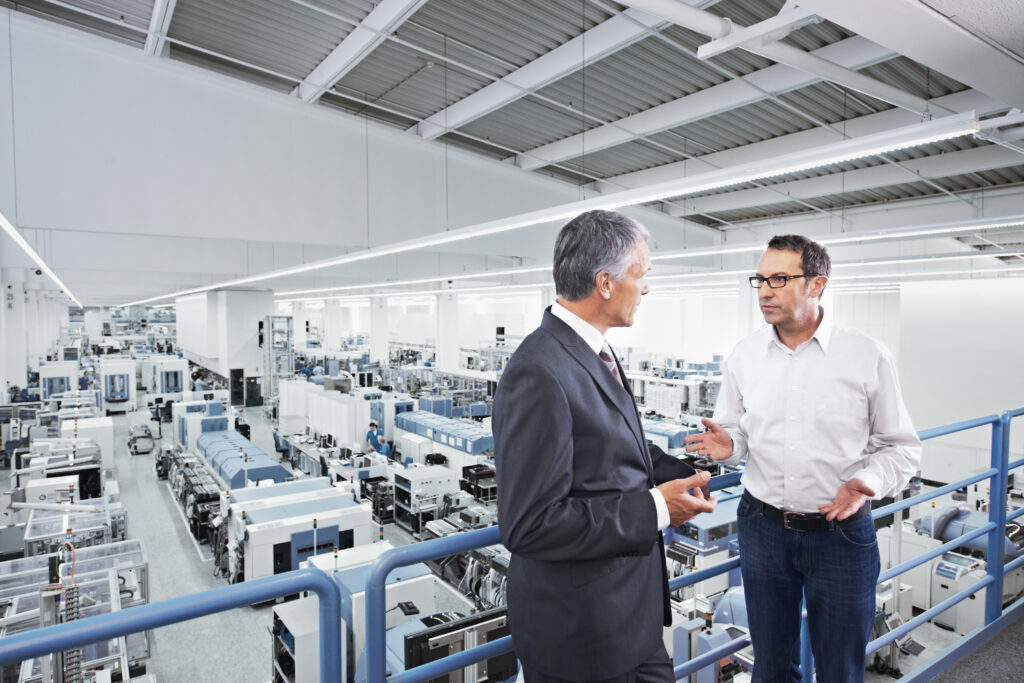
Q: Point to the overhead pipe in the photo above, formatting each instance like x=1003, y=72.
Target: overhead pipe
x=714, y=26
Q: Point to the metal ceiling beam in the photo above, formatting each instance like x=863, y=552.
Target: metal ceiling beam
x=855, y=53
x=926, y=36
x=718, y=27
x=813, y=137
x=385, y=18
x=597, y=43
x=159, y=25
x=789, y=19
x=940, y=166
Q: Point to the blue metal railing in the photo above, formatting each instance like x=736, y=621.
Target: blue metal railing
x=998, y=471
x=450, y=545
x=36, y=643
x=94, y=629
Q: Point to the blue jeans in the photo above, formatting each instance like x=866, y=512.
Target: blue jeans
x=835, y=570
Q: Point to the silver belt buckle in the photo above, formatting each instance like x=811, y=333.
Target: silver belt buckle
x=786, y=516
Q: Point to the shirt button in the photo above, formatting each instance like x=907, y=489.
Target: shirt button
x=794, y=387
x=792, y=417
x=792, y=448
x=796, y=357
x=792, y=478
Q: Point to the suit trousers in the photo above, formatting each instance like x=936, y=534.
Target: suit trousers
x=657, y=668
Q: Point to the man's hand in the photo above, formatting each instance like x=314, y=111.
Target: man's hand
x=686, y=498
x=715, y=444
x=851, y=496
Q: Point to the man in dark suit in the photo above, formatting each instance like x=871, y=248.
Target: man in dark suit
x=582, y=500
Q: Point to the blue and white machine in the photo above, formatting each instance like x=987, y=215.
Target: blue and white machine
x=237, y=462
x=168, y=378
x=58, y=377
x=117, y=381
x=704, y=541
x=194, y=418
x=277, y=537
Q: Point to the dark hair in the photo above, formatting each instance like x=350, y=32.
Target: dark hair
x=814, y=258
x=593, y=242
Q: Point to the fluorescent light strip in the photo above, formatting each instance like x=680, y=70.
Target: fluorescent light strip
x=936, y=273
x=826, y=155
x=427, y=280
x=13, y=233
x=976, y=225
x=428, y=292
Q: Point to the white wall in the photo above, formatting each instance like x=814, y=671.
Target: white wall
x=238, y=338
x=874, y=313
x=197, y=327
x=691, y=327
x=962, y=356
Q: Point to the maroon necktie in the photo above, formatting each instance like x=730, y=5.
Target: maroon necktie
x=610, y=362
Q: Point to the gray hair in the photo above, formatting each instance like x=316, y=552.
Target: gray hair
x=591, y=243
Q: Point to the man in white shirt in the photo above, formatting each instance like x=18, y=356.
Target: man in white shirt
x=582, y=500
x=816, y=412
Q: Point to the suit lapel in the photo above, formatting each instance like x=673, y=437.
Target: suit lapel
x=619, y=394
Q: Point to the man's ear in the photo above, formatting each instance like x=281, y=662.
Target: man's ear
x=818, y=285
x=604, y=284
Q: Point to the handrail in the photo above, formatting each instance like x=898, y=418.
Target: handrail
x=449, y=545
x=31, y=644
x=103, y=627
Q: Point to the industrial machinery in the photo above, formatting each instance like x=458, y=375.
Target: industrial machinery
x=57, y=377
x=419, y=493
x=192, y=419
x=140, y=440
x=117, y=381
x=105, y=578
x=275, y=337
x=276, y=538
x=168, y=375
x=236, y=461
x=47, y=530
x=434, y=636
x=703, y=542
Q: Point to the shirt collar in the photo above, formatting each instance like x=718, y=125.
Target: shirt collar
x=589, y=333
x=823, y=334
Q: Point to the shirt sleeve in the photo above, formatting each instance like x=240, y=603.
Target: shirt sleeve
x=893, y=450
x=662, y=507
x=728, y=411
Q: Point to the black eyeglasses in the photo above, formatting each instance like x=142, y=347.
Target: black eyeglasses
x=775, y=281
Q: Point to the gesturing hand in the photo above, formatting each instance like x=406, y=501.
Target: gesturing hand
x=686, y=498
x=715, y=443
x=851, y=496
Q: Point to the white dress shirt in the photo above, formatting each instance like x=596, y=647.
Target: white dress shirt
x=810, y=419
x=596, y=341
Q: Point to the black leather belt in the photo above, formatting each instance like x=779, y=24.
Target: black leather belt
x=803, y=521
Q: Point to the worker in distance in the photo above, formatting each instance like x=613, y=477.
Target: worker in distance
x=815, y=410
x=582, y=500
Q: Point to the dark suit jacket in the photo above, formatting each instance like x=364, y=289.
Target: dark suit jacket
x=587, y=587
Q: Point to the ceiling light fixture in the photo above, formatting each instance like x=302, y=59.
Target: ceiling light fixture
x=13, y=233
x=422, y=281
x=825, y=155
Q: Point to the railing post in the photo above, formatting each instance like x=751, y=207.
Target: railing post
x=997, y=515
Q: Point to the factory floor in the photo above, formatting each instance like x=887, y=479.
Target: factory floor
x=228, y=646
x=236, y=645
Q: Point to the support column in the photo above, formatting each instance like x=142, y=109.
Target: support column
x=15, y=354
x=379, y=329
x=446, y=338
x=333, y=329
x=33, y=333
